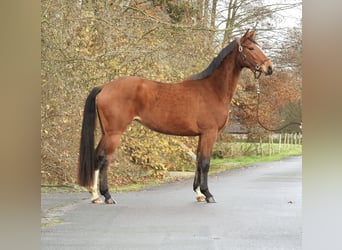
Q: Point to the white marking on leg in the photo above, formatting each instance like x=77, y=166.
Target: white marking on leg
x=200, y=197
x=93, y=190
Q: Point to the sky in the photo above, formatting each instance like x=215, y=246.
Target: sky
x=291, y=17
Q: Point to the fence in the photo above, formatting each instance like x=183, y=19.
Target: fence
x=263, y=146
x=277, y=143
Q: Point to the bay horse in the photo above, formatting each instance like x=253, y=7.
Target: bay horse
x=197, y=106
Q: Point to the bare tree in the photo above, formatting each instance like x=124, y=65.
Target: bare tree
x=232, y=17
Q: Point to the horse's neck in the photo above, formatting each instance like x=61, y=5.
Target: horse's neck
x=226, y=77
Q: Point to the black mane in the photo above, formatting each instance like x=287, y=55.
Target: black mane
x=214, y=64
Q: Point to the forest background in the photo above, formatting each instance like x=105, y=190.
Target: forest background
x=88, y=43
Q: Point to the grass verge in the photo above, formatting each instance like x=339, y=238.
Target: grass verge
x=225, y=164
x=217, y=166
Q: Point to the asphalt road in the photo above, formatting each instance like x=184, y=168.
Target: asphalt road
x=258, y=207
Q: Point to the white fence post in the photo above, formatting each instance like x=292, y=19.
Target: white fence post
x=279, y=142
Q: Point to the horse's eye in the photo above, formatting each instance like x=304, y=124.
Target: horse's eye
x=250, y=48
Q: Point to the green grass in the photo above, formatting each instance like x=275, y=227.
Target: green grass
x=46, y=188
x=135, y=186
x=50, y=223
x=145, y=184
x=219, y=165
x=254, y=158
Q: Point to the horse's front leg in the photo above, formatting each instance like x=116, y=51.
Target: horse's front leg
x=206, y=143
x=197, y=182
x=205, y=165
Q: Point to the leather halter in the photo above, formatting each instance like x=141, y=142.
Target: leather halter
x=255, y=65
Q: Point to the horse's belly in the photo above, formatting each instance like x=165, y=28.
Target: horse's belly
x=173, y=125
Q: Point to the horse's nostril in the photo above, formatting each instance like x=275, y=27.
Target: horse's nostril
x=269, y=70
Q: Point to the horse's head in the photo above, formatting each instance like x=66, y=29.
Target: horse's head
x=252, y=56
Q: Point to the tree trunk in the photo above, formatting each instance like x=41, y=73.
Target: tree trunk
x=212, y=22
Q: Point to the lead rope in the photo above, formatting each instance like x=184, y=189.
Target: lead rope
x=258, y=118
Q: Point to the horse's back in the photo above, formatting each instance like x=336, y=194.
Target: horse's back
x=121, y=85
x=172, y=108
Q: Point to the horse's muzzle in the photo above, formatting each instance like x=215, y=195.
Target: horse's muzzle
x=269, y=70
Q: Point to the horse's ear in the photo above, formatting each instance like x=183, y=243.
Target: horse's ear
x=249, y=34
x=252, y=34
x=246, y=35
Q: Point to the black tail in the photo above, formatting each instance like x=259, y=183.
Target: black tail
x=87, y=157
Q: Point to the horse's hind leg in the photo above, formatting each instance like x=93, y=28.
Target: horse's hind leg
x=93, y=190
x=106, y=150
x=95, y=198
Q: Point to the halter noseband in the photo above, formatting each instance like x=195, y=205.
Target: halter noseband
x=244, y=57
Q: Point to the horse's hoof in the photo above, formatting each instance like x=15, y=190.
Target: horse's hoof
x=97, y=201
x=110, y=201
x=210, y=200
x=200, y=198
